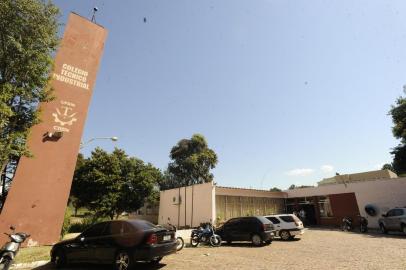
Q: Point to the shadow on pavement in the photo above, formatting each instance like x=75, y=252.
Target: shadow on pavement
x=290, y=240
x=145, y=266
x=380, y=235
x=373, y=233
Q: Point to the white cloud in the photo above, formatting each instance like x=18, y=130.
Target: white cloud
x=327, y=168
x=300, y=172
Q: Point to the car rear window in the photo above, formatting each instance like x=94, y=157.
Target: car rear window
x=274, y=220
x=287, y=218
x=264, y=220
x=142, y=224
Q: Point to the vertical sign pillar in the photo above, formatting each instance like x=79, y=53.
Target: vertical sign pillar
x=38, y=197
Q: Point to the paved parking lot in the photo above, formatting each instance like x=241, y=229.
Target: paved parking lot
x=317, y=249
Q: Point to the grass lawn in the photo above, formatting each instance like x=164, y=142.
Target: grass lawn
x=32, y=254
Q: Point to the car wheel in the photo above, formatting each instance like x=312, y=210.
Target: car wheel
x=123, y=261
x=59, y=258
x=256, y=240
x=285, y=235
x=268, y=242
x=383, y=229
x=155, y=260
x=404, y=228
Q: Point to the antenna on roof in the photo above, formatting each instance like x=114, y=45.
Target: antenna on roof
x=95, y=9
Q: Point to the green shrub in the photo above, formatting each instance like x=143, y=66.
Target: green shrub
x=86, y=223
x=66, y=224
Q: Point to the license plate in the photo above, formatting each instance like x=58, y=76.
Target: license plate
x=167, y=237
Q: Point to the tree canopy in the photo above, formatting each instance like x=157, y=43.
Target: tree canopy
x=398, y=113
x=192, y=161
x=28, y=38
x=111, y=183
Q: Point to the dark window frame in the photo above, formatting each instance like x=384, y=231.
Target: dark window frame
x=287, y=219
x=275, y=220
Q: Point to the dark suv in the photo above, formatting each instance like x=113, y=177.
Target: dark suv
x=258, y=230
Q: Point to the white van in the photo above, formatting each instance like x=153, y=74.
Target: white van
x=287, y=226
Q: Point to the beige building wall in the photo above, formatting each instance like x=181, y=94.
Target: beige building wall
x=355, y=177
x=383, y=194
x=237, y=202
x=249, y=192
x=197, y=209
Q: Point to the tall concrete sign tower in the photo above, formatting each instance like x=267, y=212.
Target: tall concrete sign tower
x=37, y=199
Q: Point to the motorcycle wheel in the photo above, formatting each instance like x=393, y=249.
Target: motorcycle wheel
x=194, y=241
x=215, y=240
x=180, y=243
x=5, y=264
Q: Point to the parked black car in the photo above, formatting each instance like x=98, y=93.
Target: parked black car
x=258, y=230
x=120, y=242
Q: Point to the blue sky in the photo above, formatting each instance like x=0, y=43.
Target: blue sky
x=286, y=92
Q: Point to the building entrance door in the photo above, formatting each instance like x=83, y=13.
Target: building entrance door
x=310, y=214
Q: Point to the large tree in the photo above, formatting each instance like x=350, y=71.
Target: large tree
x=399, y=159
x=192, y=161
x=398, y=113
x=28, y=38
x=111, y=183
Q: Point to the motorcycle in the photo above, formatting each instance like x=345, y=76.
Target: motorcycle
x=10, y=249
x=346, y=224
x=205, y=234
x=363, y=225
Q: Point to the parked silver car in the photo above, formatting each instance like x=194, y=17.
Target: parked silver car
x=393, y=220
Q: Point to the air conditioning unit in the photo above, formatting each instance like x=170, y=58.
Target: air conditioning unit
x=177, y=199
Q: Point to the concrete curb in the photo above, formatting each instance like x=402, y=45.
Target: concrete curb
x=28, y=265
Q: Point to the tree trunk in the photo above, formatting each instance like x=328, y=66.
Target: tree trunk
x=3, y=184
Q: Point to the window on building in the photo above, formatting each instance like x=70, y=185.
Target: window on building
x=303, y=200
x=290, y=202
x=325, y=207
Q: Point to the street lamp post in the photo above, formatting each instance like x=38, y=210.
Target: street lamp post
x=82, y=144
